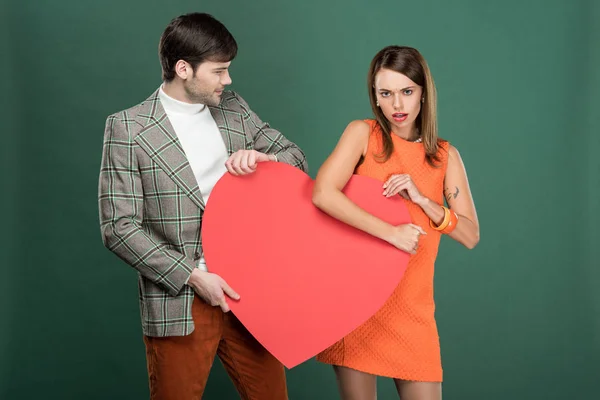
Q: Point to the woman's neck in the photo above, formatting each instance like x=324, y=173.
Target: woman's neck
x=409, y=133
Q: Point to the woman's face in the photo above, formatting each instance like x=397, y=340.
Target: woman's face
x=399, y=98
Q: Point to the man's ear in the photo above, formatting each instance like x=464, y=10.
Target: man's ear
x=184, y=70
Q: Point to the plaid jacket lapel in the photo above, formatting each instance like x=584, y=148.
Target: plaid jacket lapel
x=159, y=140
x=231, y=127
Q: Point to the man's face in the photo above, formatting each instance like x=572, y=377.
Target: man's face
x=207, y=84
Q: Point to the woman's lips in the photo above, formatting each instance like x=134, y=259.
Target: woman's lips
x=399, y=117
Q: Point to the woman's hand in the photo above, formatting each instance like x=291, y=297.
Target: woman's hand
x=403, y=185
x=406, y=237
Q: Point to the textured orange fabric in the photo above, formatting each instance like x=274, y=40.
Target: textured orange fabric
x=401, y=339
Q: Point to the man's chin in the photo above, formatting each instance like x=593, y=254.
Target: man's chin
x=215, y=100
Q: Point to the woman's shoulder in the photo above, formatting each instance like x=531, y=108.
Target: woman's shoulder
x=370, y=122
x=448, y=152
x=359, y=127
x=444, y=144
x=361, y=123
x=447, y=146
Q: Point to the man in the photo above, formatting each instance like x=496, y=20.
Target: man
x=160, y=162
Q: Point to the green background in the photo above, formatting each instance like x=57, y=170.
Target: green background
x=518, y=84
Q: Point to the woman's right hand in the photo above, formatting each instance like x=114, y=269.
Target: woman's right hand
x=406, y=237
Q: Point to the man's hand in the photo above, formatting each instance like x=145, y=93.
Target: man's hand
x=212, y=288
x=244, y=162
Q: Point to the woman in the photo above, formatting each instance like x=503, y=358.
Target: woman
x=402, y=149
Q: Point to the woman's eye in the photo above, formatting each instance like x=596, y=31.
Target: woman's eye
x=408, y=92
x=385, y=94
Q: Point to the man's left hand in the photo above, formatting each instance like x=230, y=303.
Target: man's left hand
x=244, y=162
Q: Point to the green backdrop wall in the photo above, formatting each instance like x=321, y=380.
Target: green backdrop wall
x=591, y=130
x=518, y=85
x=8, y=200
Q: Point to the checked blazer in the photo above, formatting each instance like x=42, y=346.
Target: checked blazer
x=151, y=207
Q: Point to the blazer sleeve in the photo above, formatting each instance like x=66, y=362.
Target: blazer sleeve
x=121, y=205
x=270, y=141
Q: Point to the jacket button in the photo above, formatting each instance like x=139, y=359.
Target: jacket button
x=197, y=256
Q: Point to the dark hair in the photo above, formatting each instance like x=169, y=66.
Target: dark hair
x=194, y=38
x=407, y=61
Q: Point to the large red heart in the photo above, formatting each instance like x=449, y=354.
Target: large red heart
x=305, y=279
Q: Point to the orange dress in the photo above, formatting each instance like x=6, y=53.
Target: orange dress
x=401, y=340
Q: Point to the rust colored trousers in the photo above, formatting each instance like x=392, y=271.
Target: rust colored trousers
x=178, y=366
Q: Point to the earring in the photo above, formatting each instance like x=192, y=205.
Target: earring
x=422, y=99
x=377, y=103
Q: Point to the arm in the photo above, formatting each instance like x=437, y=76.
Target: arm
x=270, y=141
x=458, y=196
x=121, y=204
x=333, y=176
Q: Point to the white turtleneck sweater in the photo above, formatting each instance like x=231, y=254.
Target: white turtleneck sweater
x=202, y=143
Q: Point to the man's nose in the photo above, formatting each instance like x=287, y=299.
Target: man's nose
x=226, y=79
